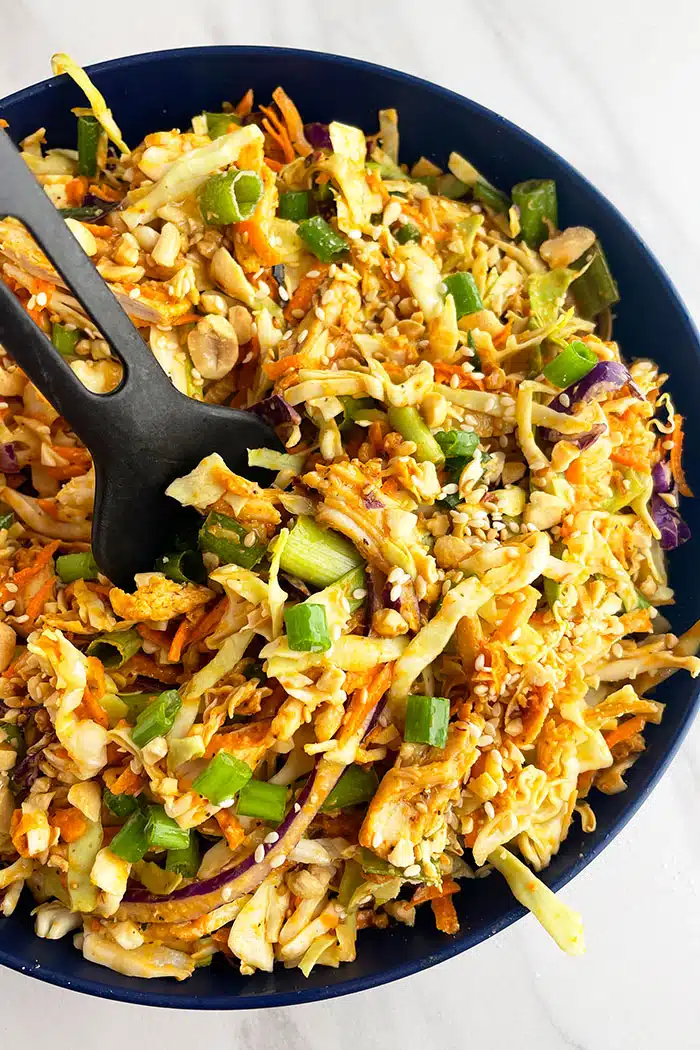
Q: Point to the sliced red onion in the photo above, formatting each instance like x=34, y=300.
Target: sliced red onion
x=318, y=135
x=8, y=460
x=26, y=772
x=674, y=531
x=583, y=440
x=662, y=477
x=603, y=378
x=275, y=411
x=371, y=501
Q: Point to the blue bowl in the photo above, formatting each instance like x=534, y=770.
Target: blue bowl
x=163, y=90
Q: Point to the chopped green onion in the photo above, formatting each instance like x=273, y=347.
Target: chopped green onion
x=359, y=408
x=229, y=197
x=374, y=865
x=642, y=602
x=572, y=364
x=552, y=590
x=64, y=339
x=163, y=832
x=157, y=719
x=409, y=424
x=88, y=213
x=307, y=628
x=427, y=718
x=322, y=192
x=457, y=443
x=136, y=703
x=89, y=134
x=446, y=185
x=120, y=805
x=595, y=290
x=317, y=556
x=349, y=585
x=265, y=801
x=294, y=205
x=322, y=240
x=219, y=123
x=182, y=566
x=71, y=567
x=407, y=233
x=184, y=861
x=223, y=778
x=490, y=196
x=7, y=518
x=537, y=202
x=115, y=648
x=357, y=784
x=130, y=842
x=223, y=536
x=462, y=287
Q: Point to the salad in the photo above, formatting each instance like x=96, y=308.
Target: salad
x=416, y=650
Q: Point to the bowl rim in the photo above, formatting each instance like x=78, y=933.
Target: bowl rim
x=459, y=944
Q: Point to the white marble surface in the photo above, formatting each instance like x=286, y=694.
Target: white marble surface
x=613, y=85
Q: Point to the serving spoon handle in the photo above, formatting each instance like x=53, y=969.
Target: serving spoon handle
x=141, y=435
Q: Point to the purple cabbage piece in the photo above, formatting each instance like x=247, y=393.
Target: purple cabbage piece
x=275, y=411
x=318, y=135
x=674, y=531
x=26, y=771
x=8, y=460
x=662, y=477
x=372, y=501
x=603, y=378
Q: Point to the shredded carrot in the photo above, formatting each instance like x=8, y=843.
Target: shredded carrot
x=103, y=232
x=159, y=638
x=301, y=300
x=277, y=131
x=76, y=190
x=628, y=459
x=186, y=319
x=575, y=473
x=39, y=600
x=433, y=893
x=179, y=641
x=445, y=915
x=73, y=470
x=258, y=242
x=275, y=369
x=273, y=165
x=637, y=621
x=231, y=827
x=293, y=120
x=127, y=783
x=518, y=614
x=43, y=558
x=105, y=192
x=676, y=454
x=70, y=822
x=95, y=689
x=624, y=731
x=72, y=453
x=208, y=622
x=49, y=506
x=245, y=106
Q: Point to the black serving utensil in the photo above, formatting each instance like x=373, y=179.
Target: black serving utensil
x=141, y=435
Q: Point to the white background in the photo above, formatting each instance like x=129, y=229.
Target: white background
x=613, y=85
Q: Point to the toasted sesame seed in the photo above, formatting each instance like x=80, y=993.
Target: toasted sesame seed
x=302, y=336
x=259, y=854
x=411, y=871
x=489, y=810
x=668, y=445
x=319, y=313
x=11, y=587
x=9, y=606
x=481, y=690
x=25, y=617
x=277, y=861
x=298, y=314
x=565, y=400
x=250, y=539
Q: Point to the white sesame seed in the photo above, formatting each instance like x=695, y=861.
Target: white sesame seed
x=297, y=807
x=354, y=235
x=135, y=293
x=516, y=634
x=41, y=299
x=489, y=810
x=298, y=314
x=9, y=606
x=565, y=400
x=249, y=540
x=284, y=294
x=395, y=593
x=411, y=871
x=481, y=690
x=454, y=381
x=272, y=837
x=358, y=594
x=479, y=662
x=314, y=273
x=277, y=861
x=617, y=650
x=668, y=445
x=319, y=313
x=302, y=336
x=11, y=587
x=23, y=619
x=259, y=854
